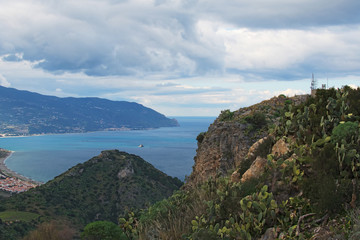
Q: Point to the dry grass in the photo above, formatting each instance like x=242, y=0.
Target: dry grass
x=52, y=231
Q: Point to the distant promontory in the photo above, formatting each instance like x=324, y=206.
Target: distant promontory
x=26, y=113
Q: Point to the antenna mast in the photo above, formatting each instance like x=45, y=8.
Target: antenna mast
x=313, y=85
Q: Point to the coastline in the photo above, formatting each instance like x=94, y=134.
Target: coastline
x=104, y=130
x=8, y=172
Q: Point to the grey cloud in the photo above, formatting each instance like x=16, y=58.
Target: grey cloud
x=134, y=38
x=119, y=39
x=284, y=13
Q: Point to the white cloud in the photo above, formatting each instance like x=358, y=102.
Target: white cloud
x=291, y=92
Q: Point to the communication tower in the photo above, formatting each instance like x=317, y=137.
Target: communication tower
x=313, y=85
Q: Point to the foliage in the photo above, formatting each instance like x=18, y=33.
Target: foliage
x=14, y=230
x=315, y=179
x=99, y=189
x=344, y=132
x=257, y=118
x=52, y=231
x=226, y=115
x=7, y=216
x=201, y=137
x=103, y=230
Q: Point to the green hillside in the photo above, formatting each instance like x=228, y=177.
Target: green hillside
x=102, y=188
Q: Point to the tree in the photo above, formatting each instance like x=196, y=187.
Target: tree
x=103, y=230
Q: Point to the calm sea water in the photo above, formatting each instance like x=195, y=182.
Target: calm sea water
x=169, y=149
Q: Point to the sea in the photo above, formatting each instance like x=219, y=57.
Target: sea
x=170, y=149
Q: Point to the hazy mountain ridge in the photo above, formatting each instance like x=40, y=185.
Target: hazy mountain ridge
x=24, y=113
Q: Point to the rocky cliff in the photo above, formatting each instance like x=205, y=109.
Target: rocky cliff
x=224, y=147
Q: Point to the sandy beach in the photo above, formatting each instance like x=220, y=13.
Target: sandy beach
x=8, y=172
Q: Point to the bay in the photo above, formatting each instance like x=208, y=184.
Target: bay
x=169, y=149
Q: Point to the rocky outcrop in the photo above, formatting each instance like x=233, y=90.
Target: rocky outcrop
x=226, y=144
x=256, y=169
x=257, y=156
x=280, y=148
x=224, y=147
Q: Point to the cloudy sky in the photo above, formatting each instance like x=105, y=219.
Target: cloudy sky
x=189, y=57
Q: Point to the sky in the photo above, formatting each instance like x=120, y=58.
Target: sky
x=179, y=57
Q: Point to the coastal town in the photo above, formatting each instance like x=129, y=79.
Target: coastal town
x=14, y=185
x=11, y=182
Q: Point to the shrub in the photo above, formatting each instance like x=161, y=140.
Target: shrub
x=103, y=230
x=258, y=119
x=226, y=115
x=51, y=231
x=200, y=137
x=345, y=132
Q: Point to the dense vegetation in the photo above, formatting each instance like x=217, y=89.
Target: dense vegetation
x=25, y=113
x=310, y=191
x=100, y=189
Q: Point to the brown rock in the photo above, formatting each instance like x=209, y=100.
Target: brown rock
x=226, y=143
x=289, y=160
x=270, y=234
x=235, y=176
x=260, y=148
x=280, y=148
x=256, y=169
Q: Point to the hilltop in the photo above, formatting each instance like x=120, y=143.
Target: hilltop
x=101, y=188
x=26, y=113
x=287, y=168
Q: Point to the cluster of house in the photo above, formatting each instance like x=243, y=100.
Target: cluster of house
x=14, y=185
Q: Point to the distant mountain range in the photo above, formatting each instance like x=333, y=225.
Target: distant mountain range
x=26, y=113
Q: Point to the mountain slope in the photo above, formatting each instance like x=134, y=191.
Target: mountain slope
x=102, y=188
x=23, y=113
x=225, y=145
x=301, y=181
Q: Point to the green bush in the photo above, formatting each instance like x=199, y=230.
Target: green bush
x=345, y=132
x=200, y=137
x=103, y=230
x=226, y=115
x=258, y=119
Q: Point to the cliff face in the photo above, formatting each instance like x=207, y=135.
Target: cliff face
x=225, y=145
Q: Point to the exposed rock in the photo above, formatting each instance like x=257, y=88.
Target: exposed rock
x=280, y=148
x=260, y=148
x=226, y=143
x=223, y=148
x=125, y=172
x=270, y=234
x=235, y=176
x=256, y=169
